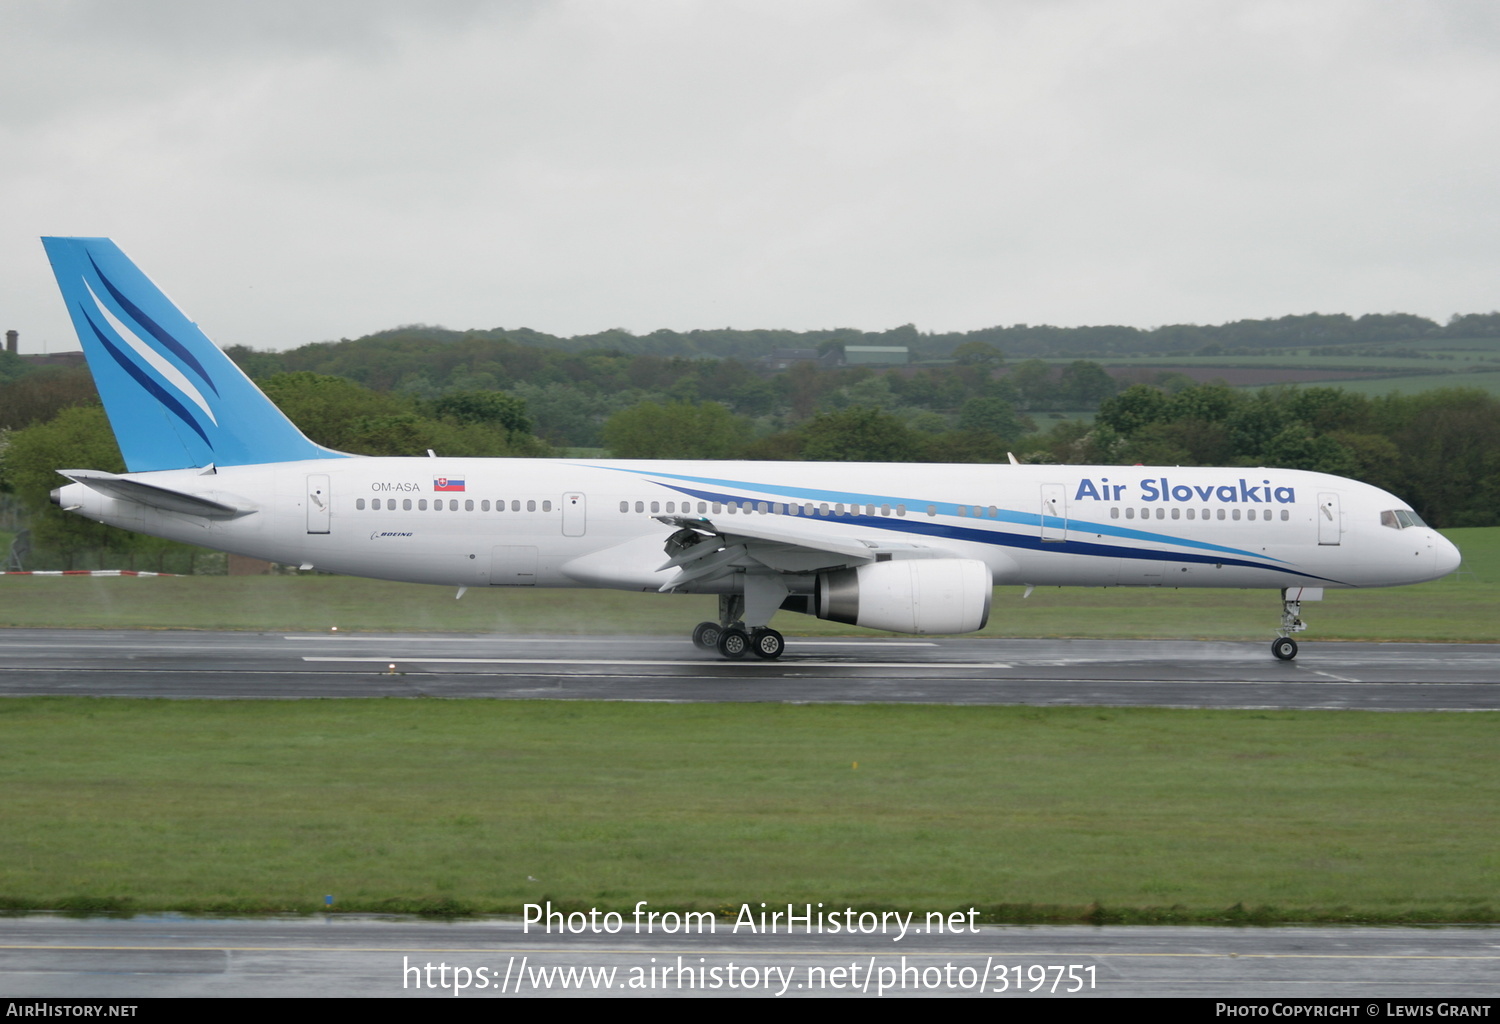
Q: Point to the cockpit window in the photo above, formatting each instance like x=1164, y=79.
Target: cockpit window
x=1400, y=519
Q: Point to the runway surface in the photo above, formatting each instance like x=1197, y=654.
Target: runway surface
x=359, y=956
x=223, y=665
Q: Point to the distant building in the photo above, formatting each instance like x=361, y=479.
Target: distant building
x=876, y=355
x=786, y=358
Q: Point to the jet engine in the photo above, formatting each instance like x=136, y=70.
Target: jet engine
x=919, y=595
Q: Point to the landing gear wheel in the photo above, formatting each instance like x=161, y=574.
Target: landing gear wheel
x=767, y=643
x=706, y=635
x=1284, y=647
x=734, y=643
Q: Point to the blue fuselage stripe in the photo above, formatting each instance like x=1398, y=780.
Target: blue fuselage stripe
x=1010, y=540
x=1026, y=519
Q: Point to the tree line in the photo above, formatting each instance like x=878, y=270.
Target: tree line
x=1255, y=335
x=1439, y=450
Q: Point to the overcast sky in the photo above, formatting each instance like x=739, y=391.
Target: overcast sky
x=302, y=171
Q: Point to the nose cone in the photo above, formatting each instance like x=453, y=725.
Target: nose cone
x=1447, y=557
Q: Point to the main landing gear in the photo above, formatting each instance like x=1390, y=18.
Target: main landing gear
x=1284, y=648
x=730, y=637
x=732, y=641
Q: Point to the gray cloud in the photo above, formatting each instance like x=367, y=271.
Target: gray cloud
x=299, y=172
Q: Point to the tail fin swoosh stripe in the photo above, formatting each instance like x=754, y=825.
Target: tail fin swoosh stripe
x=154, y=329
x=153, y=358
x=144, y=380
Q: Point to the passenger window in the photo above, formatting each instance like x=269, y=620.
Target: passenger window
x=932, y=510
x=484, y=506
x=624, y=506
x=1285, y=515
x=1161, y=513
x=655, y=506
x=1236, y=514
x=406, y=504
x=531, y=505
x=1114, y=513
x=1130, y=513
x=702, y=507
x=994, y=512
x=359, y=503
x=640, y=506
x=1221, y=514
x=1177, y=513
x=546, y=506
x=900, y=510
x=468, y=504
x=1190, y=512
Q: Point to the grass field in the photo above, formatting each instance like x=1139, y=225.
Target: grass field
x=1029, y=814
x=1461, y=607
x=1488, y=380
x=482, y=806
x=1457, y=368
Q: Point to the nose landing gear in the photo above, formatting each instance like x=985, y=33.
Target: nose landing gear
x=1284, y=648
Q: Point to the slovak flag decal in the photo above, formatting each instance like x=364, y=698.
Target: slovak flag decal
x=447, y=483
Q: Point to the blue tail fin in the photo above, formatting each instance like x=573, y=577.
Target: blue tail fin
x=174, y=400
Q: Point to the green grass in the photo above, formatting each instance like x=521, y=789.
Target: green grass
x=1488, y=380
x=1300, y=360
x=1458, y=608
x=1025, y=813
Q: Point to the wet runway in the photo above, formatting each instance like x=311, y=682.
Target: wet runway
x=361, y=956
x=223, y=665
x=358, y=956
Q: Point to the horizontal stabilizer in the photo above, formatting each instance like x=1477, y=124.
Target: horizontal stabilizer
x=127, y=488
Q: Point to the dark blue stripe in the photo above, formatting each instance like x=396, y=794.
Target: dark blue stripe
x=1009, y=540
x=145, y=381
x=155, y=330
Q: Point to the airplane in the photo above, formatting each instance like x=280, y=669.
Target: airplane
x=910, y=548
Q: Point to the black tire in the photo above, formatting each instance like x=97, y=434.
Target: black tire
x=706, y=635
x=734, y=643
x=767, y=643
x=1284, y=648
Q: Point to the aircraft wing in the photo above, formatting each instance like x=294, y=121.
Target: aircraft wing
x=704, y=549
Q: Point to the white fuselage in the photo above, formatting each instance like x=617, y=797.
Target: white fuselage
x=568, y=523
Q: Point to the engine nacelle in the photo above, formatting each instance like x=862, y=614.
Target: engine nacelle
x=918, y=595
